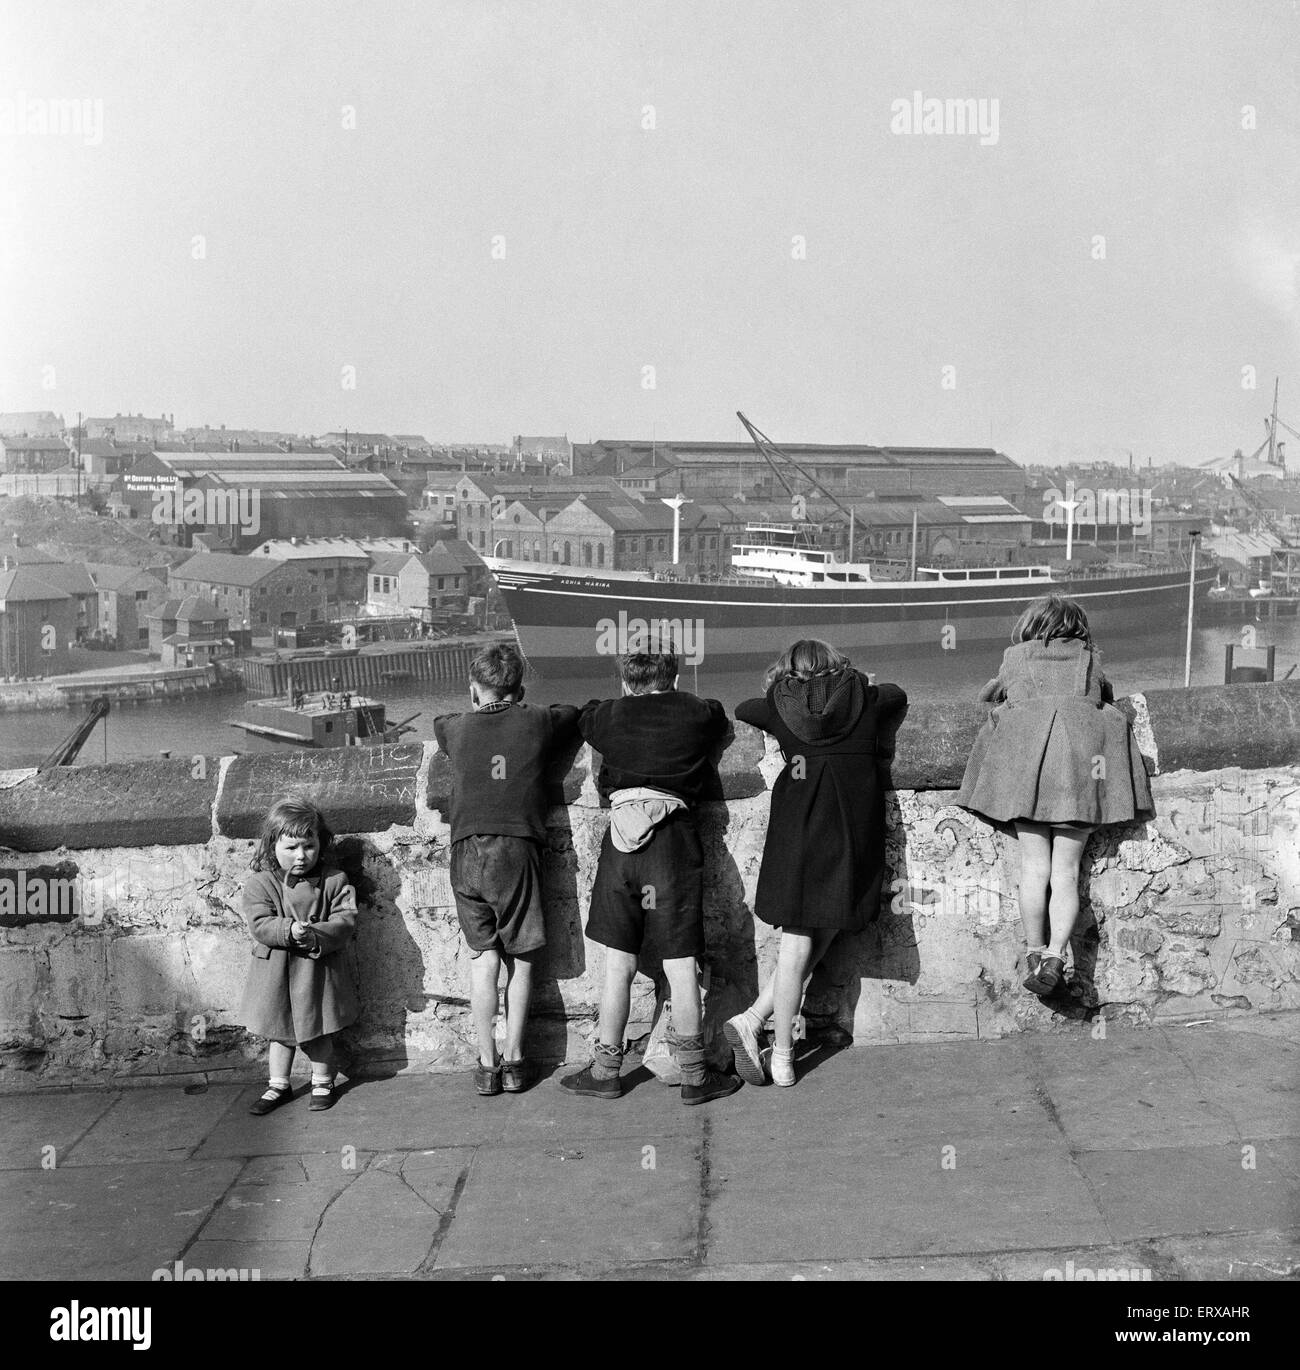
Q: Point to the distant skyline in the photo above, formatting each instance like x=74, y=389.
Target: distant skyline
x=500, y=214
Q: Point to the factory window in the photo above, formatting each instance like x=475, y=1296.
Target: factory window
x=586, y=554
x=441, y=580
x=600, y=554
x=568, y=554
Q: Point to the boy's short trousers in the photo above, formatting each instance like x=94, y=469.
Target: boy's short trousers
x=652, y=900
x=497, y=881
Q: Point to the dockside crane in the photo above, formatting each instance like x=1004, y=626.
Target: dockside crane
x=66, y=752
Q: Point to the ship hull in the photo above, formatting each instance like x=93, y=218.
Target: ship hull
x=565, y=620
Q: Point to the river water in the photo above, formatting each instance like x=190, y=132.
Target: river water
x=1149, y=662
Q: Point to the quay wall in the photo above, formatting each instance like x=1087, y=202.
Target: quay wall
x=1195, y=914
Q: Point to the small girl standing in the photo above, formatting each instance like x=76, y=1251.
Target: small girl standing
x=824, y=853
x=1055, y=758
x=302, y=912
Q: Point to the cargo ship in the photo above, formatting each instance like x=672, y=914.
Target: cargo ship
x=783, y=588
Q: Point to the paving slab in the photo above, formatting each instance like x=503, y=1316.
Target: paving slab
x=1283, y=1025
x=405, y=1113
x=324, y=1165
x=153, y=1124
x=432, y=1175
x=823, y=1196
x=1130, y=1089
x=385, y=1224
x=1173, y=1191
x=274, y=1210
x=944, y=1093
x=584, y=1202
x=1255, y=1078
x=121, y=1221
x=1256, y=1256
x=32, y=1121
x=547, y=1112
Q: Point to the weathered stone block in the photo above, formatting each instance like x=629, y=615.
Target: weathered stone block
x=21, y=972
x=78, y=977
x=358, y=789
x=149, y=975
x=129, y=804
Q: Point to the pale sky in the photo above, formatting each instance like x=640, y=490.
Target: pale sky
x=625, y=247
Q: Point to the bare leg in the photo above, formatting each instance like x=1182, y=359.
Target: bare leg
x=684, y=986
x=800, y=952
x=616, y=998
x=279, y=1059
x=1035, y=840
x=484, y=972
x=519, y=990
x=1068, y=844
x=765, y=1005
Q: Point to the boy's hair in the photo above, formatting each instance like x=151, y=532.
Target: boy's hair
x=499, y=668
x=804, y=659
x=294, y=816
x=1051, y=617
x=643, y=672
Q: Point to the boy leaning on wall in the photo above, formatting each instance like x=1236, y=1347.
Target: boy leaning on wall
x=655, y=744
x=498, y=755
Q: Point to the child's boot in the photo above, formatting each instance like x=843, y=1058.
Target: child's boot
x=600, y=1079
x=699, y=1083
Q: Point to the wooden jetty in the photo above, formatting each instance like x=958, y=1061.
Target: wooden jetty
x=361, y=668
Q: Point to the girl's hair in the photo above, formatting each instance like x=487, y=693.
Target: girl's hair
x=294, y=816
x=804, y=659
x=1051, y=617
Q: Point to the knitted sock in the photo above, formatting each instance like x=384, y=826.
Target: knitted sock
x=606, y=1062
x=690, y=1056
x=322, y=1080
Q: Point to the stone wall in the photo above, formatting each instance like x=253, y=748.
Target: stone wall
x=1194, y=914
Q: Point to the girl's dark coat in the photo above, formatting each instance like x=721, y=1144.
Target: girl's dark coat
x=295, y=994
x=824, y=854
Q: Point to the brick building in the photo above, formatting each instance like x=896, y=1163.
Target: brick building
x=127, y=596
x=257, y=593
x=38, y=623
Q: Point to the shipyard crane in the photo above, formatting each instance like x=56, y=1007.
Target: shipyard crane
x=1271, y=424
x=767, y=448
x=66, y=752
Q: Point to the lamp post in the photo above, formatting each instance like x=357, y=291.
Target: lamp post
x=675, y=504
x=1069, y=505
x=1191, y=608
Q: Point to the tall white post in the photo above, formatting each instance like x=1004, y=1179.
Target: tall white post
x=675, y=504
x=1069, y=505
x=1191, y=609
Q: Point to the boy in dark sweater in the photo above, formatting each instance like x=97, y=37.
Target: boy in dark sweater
x=498, y=758
x=655, y=747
